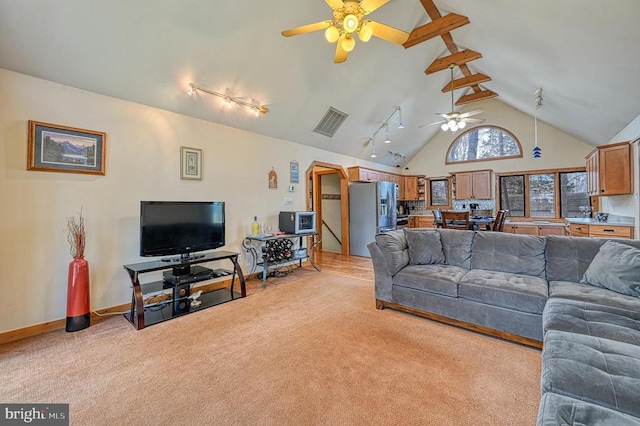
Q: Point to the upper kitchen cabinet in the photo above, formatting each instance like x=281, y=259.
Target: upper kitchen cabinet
x=476, y=184
x=412, y=188
x=610, y=170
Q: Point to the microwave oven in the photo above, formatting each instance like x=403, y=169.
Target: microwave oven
x=298, y=222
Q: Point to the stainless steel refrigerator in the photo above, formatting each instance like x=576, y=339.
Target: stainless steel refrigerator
x=372, y=210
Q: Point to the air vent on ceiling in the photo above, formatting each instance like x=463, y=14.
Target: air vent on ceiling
x=331, y=121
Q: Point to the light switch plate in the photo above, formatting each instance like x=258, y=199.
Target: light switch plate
x=287, y=201
x=292, y=188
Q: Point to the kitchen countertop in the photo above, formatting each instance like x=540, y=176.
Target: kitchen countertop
x=610, y=222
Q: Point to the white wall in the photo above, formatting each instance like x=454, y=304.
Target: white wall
x=558, y=149
x=143, y=163
x=627, y=205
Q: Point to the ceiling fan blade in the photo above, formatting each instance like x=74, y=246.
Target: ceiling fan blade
x=445, y=116
x=470, y=113
x=388, y=33
x=370, y=5
x=307, y=28
x=432, y=124
x=474, y=120
x=335, y=4
x=341, y=54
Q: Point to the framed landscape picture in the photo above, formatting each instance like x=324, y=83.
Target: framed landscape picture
x=55, y=148
x=190, y=163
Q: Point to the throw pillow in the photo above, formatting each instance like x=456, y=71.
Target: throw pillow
x=615, y=267
x=425, y=247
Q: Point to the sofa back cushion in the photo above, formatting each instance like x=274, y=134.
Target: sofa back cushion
x=456, y=246
x=569, y=257
x=502, y=252
x=393, y=245
x=616, y=267
x=425, y=247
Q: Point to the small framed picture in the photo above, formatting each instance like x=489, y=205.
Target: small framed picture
x=55, y=148
x=293, y=166
x=273, y=179
x=190, y=163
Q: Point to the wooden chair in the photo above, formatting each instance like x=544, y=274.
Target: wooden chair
x=449, y=219
x=498, y=224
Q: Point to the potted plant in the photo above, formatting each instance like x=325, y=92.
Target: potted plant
x=78, y=300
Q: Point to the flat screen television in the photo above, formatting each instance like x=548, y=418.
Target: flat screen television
x=181, y=227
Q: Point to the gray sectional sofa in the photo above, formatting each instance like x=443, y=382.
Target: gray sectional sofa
x=577, y=298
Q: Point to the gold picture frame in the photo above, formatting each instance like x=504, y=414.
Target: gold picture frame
x=64, y=149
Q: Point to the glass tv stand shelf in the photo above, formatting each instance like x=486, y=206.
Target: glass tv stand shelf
x=278, y=250
x=141, y=315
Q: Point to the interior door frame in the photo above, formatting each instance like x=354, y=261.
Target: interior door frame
x=314, y=196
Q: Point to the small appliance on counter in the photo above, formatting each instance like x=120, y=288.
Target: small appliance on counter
x=298, y=222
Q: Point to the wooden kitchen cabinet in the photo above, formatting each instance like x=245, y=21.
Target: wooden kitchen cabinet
x=521, y=229
x=550, y=230
x=409, y=189
x=578, y=230
x=476, y=184
x=600, y=230
x=424, y=221
x=610, y=170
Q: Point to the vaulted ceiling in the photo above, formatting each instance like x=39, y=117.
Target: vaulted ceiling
x=583, y=53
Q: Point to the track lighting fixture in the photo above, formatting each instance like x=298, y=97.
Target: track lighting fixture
x=385, y=124
x=229, y=99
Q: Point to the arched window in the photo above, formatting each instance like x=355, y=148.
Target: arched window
x=482, y=144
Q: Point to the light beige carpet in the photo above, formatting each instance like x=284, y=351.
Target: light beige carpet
x=311, y=349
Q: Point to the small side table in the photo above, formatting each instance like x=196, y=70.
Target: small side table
x=281, y=249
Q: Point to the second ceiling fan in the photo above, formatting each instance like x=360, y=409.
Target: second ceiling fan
x=456, y=120
x=347, y=21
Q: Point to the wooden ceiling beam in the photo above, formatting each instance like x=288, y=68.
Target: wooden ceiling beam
x=435, y=28
x=471, y=80
x=454, y=59
x=475, y=97
x=431, y=8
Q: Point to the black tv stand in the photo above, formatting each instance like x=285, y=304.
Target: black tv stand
x=140, y=316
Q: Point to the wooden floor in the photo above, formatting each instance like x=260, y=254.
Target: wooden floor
x=336, y=263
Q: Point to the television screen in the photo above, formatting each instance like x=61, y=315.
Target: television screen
x=180, y=227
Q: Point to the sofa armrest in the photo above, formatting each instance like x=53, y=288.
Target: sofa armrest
x=383, y=278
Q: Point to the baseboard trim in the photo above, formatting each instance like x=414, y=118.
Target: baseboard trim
x=381, y=304
x=96, y=316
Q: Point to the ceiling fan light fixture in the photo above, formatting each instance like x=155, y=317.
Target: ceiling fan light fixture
x=462, y=124
x=365, y=32
x=332, y=34
x=350, y=23
x=444, y=127
x=348, y=43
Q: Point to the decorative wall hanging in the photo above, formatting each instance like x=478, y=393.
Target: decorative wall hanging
x=273, y=179
x=537, y=151
x=190, y=163
x=55, y=148
x=293, y=168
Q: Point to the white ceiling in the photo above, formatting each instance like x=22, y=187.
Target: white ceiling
x=583, y=53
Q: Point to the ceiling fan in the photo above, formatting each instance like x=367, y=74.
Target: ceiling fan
x=455, y=120
x=348, y=20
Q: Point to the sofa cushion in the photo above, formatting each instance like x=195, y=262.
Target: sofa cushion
x=393, y=246
x=616, y=267
x=439, y=279
x=518, y=292
x=425, y=247
x=516, y=254
x=457, y=247
x=595, y=370
x=622, y=325
x=569, y=257
x=560, y=410
x=589, y=293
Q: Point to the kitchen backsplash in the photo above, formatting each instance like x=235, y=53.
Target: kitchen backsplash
x=482, y=204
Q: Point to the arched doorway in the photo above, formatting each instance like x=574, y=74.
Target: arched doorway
x=314, y=195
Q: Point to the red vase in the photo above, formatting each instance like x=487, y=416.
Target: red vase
x=78, y=301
